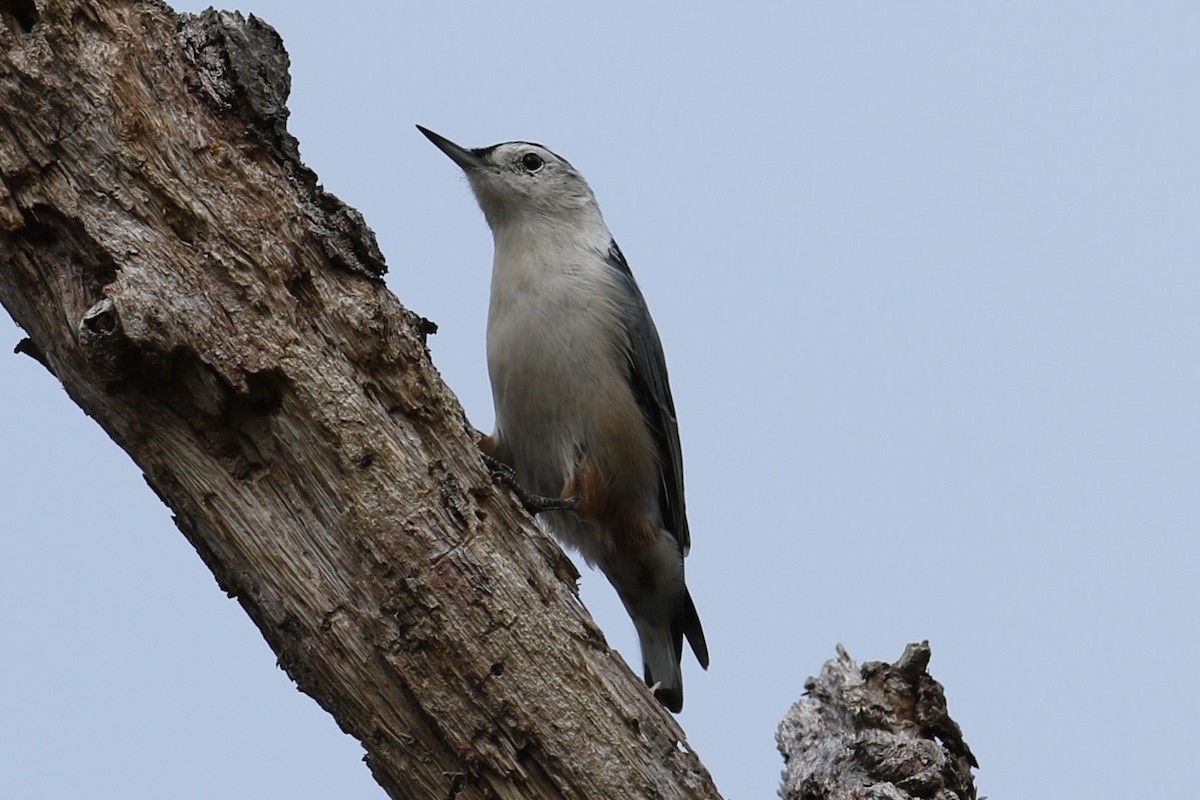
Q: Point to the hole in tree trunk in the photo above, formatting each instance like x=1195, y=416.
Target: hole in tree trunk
x=23, y=11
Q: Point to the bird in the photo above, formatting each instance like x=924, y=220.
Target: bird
x=584, y=413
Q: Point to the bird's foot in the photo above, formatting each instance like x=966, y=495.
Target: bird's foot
x=533, y=503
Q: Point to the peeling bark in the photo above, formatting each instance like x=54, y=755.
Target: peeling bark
x=879, y=731
x=199, y=295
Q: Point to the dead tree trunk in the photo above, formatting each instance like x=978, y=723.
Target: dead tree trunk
x=178, y=268
x=876, y=731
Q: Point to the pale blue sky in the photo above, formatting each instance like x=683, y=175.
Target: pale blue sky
x=928, y=280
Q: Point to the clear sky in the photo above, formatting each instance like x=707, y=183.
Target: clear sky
x=928, y=280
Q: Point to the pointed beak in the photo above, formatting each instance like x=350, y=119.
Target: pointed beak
x=465, y=158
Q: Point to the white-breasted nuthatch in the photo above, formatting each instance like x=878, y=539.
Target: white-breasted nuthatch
x=579, y=382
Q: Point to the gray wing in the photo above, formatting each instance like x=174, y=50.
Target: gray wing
x=648, y=376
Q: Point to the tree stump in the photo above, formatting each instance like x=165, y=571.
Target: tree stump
x=879, y=731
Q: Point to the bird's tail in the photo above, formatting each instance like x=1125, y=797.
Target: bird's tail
x=662, y=650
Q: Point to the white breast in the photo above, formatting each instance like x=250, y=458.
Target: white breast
x=554, y=348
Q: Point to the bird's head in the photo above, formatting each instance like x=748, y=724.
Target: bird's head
x=520, y=182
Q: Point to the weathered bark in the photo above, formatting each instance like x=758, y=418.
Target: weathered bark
x=879, y=731
x=221, y=316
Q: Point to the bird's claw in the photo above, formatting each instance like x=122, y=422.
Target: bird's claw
x=533, y=503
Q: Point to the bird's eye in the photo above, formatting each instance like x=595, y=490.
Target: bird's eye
x=532, y=162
